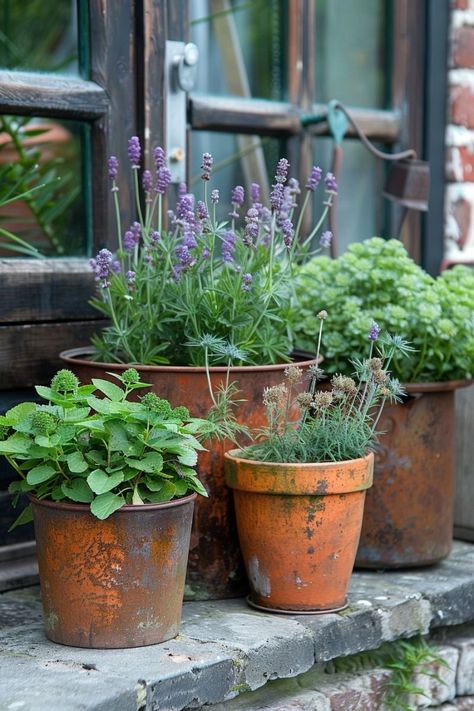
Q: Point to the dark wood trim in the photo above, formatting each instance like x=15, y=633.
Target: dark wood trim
x=436, y=101
x=52, y=95
x=113, y=67
x=29, y=353
x=280, y=118
x=45, y=290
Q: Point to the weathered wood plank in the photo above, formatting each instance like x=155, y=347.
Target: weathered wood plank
x=29, y=354
x=51, y=95
x=45, y=290
x=229, y=113
x=464, y=495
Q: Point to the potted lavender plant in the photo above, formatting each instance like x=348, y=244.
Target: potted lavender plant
x=200, y=307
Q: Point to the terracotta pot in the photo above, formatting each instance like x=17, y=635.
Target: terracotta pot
x=408, y=518
x=299, y=526
x=113, y=583
x=215, y=568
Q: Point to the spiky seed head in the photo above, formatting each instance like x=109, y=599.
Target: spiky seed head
x=130, y=377
x=64, y=382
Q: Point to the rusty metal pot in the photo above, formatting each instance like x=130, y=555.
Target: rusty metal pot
x=408, y=516
x=215, y=567
x=115, y=583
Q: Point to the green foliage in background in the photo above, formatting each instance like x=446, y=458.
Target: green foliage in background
x=377, y=280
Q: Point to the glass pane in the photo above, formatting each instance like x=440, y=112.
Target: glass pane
x=238, y=160
x=39, y=35
x=42, y=158
x=360, y=204
x=351, y=52
x=244, y=43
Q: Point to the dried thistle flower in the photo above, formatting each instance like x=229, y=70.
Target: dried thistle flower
x=275, y=395
x=304, y=400
x=322, y=315
x=322, y=399
x=293, y=374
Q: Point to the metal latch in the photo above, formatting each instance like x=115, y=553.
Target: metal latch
x=181, y=67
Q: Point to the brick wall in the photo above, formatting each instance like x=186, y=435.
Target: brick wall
x=460, y=136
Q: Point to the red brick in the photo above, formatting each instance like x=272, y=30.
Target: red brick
x=463, y=47
x=462, y=106
x=460, y=4
x=464, y=160
x=462, y=211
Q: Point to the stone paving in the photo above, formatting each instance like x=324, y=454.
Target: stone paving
x=226, y=648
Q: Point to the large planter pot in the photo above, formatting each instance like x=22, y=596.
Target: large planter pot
x=112, y=583
x=299, y=526
x=408, y=518
x=215, y=568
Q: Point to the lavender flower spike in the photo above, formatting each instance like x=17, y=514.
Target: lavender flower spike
x=314, y=178
x=159, y=156
x=163, y=179
x=255, y=192
x=331, y=184
x=246, y=282
x=206, y=166
x=112, y=165
x=238, y=195
x=326, y=239
x=282, y=170
x=215, y=197
x=374, y=331
x=147, y=181
x=134, y=151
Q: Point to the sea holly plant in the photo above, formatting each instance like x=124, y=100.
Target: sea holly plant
x=93, y=445
x=334, y=423
x=181, y=280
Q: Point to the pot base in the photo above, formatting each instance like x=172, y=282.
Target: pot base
x=288, y=611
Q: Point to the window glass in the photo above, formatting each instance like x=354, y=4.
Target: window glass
x=39, y=35
x=42, y=158
x=244, y=42
x=351, y=52
x=360, y=208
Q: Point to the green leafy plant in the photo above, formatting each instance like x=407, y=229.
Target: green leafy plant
x=333, y=424
x=105, y=451
x=376, y=279
x=202, y=289
x=404, y=659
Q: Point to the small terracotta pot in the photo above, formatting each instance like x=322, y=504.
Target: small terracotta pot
x=299, y=526
x=115, y=583
x=215, y=568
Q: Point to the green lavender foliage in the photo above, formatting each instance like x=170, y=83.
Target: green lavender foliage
x=233, y=284
x=91, y=444
x=376, y=279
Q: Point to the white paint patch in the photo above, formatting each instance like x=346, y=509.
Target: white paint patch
x=461, y=77
x=259, y=580
x=463, y=18
x=459, y=136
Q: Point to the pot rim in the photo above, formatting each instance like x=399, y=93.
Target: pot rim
x=73, y=355
x=128, y=508
x=437, y=386
x=230, y=455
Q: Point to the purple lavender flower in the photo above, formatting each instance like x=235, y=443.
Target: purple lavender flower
x=182, y=190
x=116, y=266
x=147, y=181
x=374, y=331
x=130, y=277
x=134, y=151
x=251, y=227
x=131, y=237
x=276, y=196
x=205, y=254
x=281, y=170
x=228, y=246
x=189, y=240
x=159, y=156
x=314, y=178
x=215, y=197
x=330, y=182
x=185, y=257
x=112, y=165
x=185, y=207
x=287, y=231
x=163, y=179
x=206, y=166
x=238, y=196
x=326, y=239
x=155, y=237
x=255, y=192
x=246, y=282
x=102, y=267
x=201, y=210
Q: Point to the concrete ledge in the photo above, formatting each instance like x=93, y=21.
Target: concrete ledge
x=225, y=647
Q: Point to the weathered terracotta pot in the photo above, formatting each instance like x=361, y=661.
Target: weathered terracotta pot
x=408, y=518
x=299, y=526
x=215, y=568
x=113, y=583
